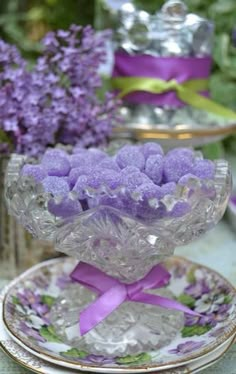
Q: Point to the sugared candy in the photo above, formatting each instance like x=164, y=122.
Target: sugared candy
x=139, y=180
x=151, y=148
x=154, y=168
x=56, y=165
x=66, y=208
x=175, y=166
x=130, y=156
x=56, y=186
x=35, y=171
x=204, y=169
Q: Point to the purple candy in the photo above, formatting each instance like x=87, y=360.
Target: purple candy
x=56, y=186
x=204, y=169
x=147, y=196
x=111, y=201
x=132, y=181
x=35, y=171
x=76, y=173
x=130, y=156
x=96, y=155
x=56, y=165
x=146, y=192
x=154, y=168
x=106, y=178
x=81, y=160
x=151, y=148
x=54, y=152
x=129, y=170
x=175, y=166
x=180, y=209
x=168, y=188
x=81, y=186
x=77, y=150
x=185, y=179
x=179, y=152
x=66, y=208
x=108, y=163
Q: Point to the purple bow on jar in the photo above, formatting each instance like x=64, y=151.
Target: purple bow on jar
x=112, y=293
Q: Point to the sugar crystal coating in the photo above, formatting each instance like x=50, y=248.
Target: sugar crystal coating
x=129, y=170
x=108, y=163
x=130, y=156
x=151, y=148
x=56, y=165
x=154, y=168
x=56, y=186
x=133, y=180
x=75, y=173
x=180, y=209
x=204, y=169
x=175, y=166
x=80, y=160
x=35, y=171
x=188, y=152
x=168, y=188
x=54, y=152
x=66, y=208
x=81, y=187
x=186, y=178
x=96, y=155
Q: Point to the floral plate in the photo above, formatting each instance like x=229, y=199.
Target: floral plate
x=36, y=365
x=26, y=315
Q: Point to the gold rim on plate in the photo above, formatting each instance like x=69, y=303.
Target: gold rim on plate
x=40, y=354
x=184, y=133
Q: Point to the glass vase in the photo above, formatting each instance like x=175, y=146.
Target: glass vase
x=121, y=246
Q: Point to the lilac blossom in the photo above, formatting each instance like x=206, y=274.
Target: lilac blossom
x=187, y=347
x=33, y=300
x=29, y=331
x=56, y=101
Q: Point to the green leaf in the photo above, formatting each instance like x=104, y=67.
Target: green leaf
x=15, y=300
x=48, y=300
x=213, y=151
x=49, y=334
x=227, y=299
x=186, y=300
x=134, y=359
x=191, y=275
x=189, y=331
x=74, y=352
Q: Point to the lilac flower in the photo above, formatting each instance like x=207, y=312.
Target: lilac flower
x=33, y=300
x=63, y=281
x=187, y=347
x=197, y=289
x=57, y=101
x=29, y=331
x=99, y=359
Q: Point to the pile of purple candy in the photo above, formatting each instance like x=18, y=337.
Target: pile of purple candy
x=138, y=180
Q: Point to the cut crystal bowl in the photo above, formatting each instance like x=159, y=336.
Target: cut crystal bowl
x=120, y=245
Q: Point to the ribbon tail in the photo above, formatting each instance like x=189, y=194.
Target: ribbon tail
x=163, y=302
x=190, y=97
x=100, y=309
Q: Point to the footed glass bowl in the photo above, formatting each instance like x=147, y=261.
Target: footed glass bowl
x=122, y=246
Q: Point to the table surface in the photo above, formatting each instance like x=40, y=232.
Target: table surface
x=217, y=250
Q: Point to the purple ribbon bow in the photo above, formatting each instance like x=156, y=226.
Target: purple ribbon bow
x=112, y=293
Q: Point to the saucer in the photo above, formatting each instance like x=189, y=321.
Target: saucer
x=26, y=314
x=36, y=365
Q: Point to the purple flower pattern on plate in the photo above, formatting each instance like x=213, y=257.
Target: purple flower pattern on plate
x=205, y=290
